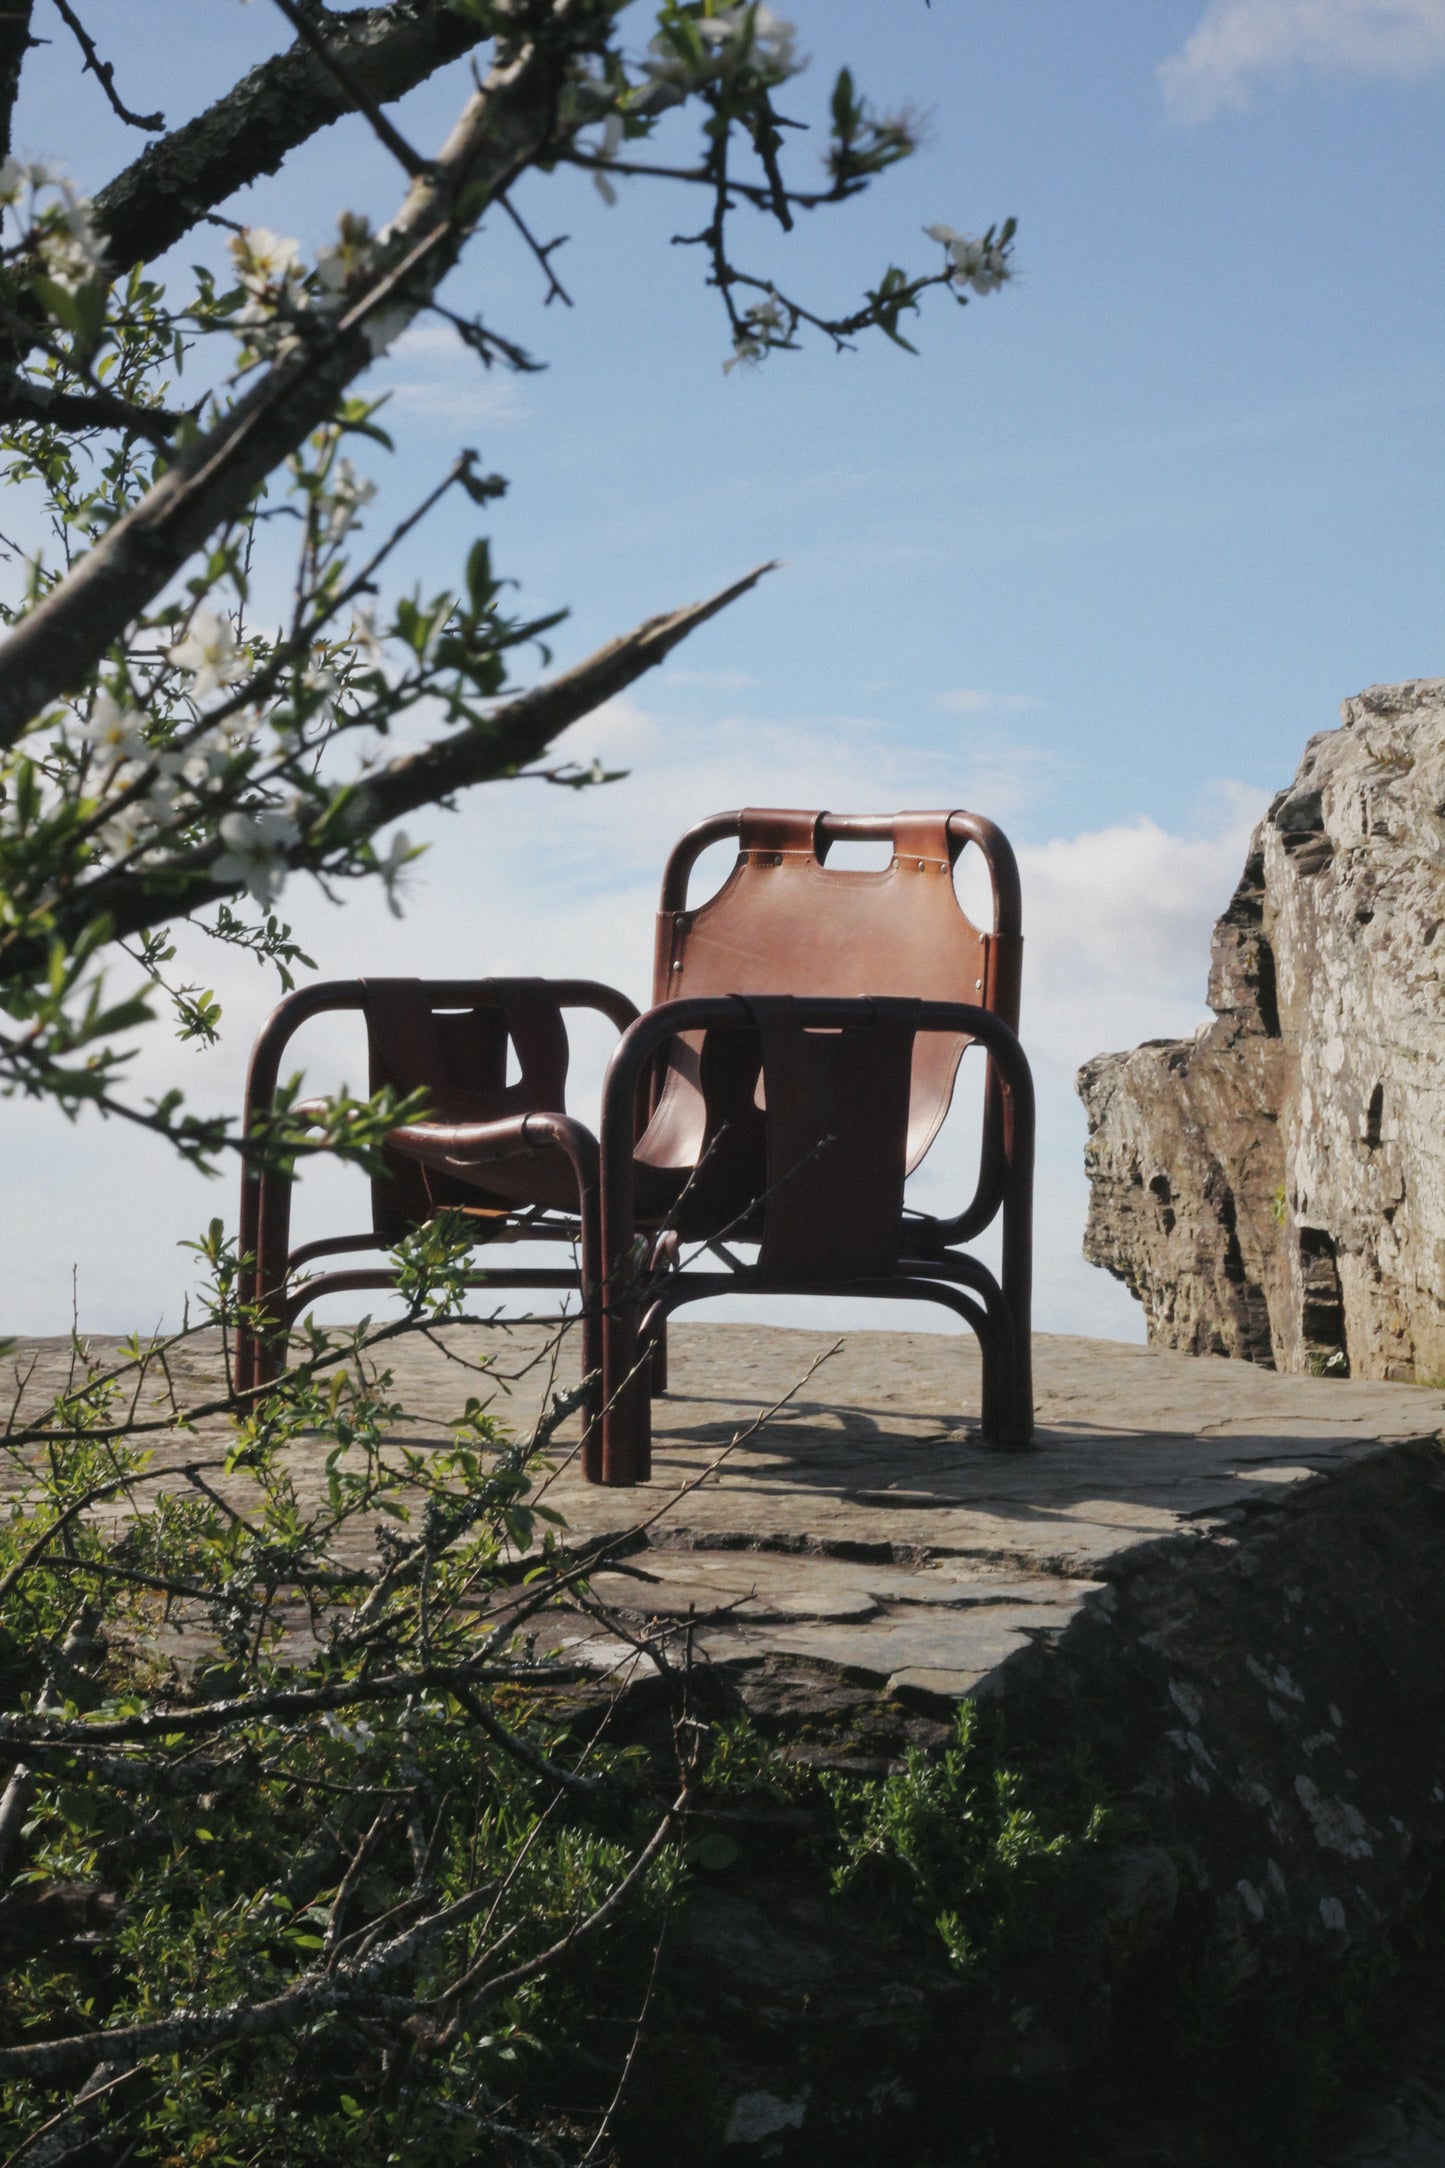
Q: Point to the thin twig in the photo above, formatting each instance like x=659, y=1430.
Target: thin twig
x=104, y=73
x=542, y=250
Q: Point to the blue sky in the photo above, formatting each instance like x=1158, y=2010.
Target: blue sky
x=1098, y=561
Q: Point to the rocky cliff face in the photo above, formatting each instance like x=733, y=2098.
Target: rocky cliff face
x=1274, y=1188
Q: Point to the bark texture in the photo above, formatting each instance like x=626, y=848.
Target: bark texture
x=282, y=103
x=15, y=43
x=1274, y=1189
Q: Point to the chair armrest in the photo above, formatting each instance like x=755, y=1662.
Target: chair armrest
x=333, y=994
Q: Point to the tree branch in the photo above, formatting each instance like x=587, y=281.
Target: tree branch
x=240, y=2021
x=25, y=402
x=348, y=1989
x=19, y=1733
x=279, y=105
x=513, y=735
x=522, y=730
x=505, y=126
x=356, y=92
x=15, y=43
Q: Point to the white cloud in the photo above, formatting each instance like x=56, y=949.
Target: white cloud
x=460, y=397
x=445, y=380
x=970, y=700
x=1117, y=924
x=429, y=340
x=1240, y=42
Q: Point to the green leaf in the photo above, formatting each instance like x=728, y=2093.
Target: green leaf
x=481, y=587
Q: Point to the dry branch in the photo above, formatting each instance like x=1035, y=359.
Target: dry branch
x=514, y=735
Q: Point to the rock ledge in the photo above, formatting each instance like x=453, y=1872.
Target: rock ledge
x=1274, y=1189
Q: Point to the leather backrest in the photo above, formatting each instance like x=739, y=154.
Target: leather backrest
x=458, y=1057
x=784, y=922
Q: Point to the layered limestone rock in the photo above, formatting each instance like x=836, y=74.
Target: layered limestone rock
x=1274, y=1188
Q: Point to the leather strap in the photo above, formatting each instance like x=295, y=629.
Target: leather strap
x=920, y=840
x=837, y=1119
x=773, y=828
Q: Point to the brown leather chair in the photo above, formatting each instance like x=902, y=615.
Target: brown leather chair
x=797, y=1063
x=449, y=1038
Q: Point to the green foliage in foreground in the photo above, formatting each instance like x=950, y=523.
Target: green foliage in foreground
x=311, y=1877
x=956, y=1838
x=306, y=1842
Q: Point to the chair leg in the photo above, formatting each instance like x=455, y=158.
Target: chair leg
x=659, y=1359
x=994, y=1398
x=1003, y=1340
x=594, y=1350
x=268, y=1285
x=1008, y=1406
x=1021, y=1417
x=627, y=1413
x=1016, y=1271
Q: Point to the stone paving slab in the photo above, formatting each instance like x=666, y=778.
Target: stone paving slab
x=849, y=1515
x=879, y=1454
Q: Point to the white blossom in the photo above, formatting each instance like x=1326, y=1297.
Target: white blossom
x=256, y=844
x=773, y=39
x=345, y=493
x=351, y=252
x=270, y=269
x=769, y=52
x=162, y=798
x=113, y=731
x=203, y=760
x=765, y=324
x=608, y=148
x=209, y=651
x=66, y=239
x=746, y=353
x=358, y=1735
x=319, y=684
x=364, y=639
x=211, y=754
x=265, y=261
x=979, y=264
x=128, y=830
